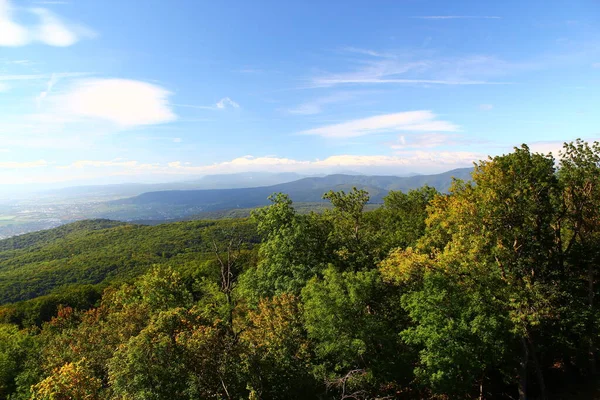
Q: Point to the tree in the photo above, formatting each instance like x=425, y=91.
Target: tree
x=294, y=250
x=150, y=365
x=403, y=216
x=495, y=237
x=460, y=326
x=15, y=348
x=278, y=352
x=351, y=238
x=354, y=330
x=579, y=175
x=71, y=381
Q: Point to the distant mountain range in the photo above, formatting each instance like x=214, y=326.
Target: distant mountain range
x=209, y=197
x=302, y=190
x=113, y=191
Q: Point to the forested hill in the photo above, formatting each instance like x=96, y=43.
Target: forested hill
x=97, y=251
x=303, y=190
x=40, y=238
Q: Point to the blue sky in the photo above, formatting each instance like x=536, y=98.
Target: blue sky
x=154, y=90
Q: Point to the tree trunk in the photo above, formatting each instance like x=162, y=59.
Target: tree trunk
x=591, y=350
x=523, y=370
x=481, y=389
x=538, y=371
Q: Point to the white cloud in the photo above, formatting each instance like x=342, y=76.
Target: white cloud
x=403, y=161
x=222, y=104
x=81, y=112
x=400, y=162
x=486, y=107
x=403, y=121
x=227, y=102
x=177, y=140
x=21, y=165
x=125, y=103
x=11, y=33
x=50, y=29
x=3, y=87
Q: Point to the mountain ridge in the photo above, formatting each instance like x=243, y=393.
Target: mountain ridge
x=310, y=189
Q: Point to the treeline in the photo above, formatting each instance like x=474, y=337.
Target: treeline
x=486, y=292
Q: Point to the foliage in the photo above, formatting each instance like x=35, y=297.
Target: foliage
x=488, y=291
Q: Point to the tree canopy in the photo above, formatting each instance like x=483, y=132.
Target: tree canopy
x=487, y=291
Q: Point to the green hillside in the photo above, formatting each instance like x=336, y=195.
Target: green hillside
x=96, y=251
x=36, y=239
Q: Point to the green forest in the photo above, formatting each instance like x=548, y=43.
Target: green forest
x=485, y=292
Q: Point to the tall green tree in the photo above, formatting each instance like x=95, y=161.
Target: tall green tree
x=497, y=237
x=294, y=249
x=579, y=175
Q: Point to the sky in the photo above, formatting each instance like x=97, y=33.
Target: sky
x=98, y=91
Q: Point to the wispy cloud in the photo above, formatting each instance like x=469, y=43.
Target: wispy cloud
x=101, y=164
x=411, y=121
x=53, y=80
x=49, y=28
x=418, y=68
x=250, y=71
x=486, y=107
x=338, y=81
x=222, y=104
x=35, y=77
x=316, y=106
x=21, y=165
x=457, y=17
x=226, y=102
x=367, y=52
x=16, y=62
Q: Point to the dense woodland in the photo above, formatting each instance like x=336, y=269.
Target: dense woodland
x=488, y=291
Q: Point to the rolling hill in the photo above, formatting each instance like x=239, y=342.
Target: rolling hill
x=179, y=203
x=99, y=251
